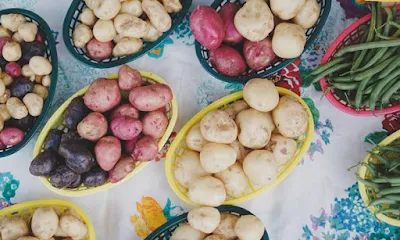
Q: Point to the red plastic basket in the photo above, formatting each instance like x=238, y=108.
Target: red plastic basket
x=350, y=36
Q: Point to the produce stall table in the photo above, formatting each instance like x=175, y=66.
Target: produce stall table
x=319, y=200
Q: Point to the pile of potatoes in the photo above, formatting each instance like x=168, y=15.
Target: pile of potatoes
x=24, y=78
x=119, y=27
x=45, y=224
x=106, y=135
x=239, y=37
x=248, y=142
x=209, y=224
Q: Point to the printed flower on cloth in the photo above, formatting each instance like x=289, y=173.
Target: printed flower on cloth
x=8, y=188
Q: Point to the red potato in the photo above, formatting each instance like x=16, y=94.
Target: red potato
x=126, y=128
x=93, y=127
x=102, y=95
x=207, y=27
x=108, y=152
x=125, y=110
x=2, y=145
x=227, y=13
x=3, y=42
x=150, y=98
x=11, y=136
x=154, y=124
x=124, y=166
x=258, y=55
x=146, y=149
x=130, y=145
x=129, y=78
x=99, y=50
x=39, y=38
x=13, y=69
x=228, y=61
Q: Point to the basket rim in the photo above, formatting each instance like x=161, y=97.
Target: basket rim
x=151, y=45
x=44, y=28
x=183, y=217
x=52, y=202
x=324, y=84
x=215, y=105
x=363, y=190
x=59, y=112
x=285, y=63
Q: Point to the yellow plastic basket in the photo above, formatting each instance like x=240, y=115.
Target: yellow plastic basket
x=25, y=211
x=368, y=194
x=57, y=121
x=178, y=147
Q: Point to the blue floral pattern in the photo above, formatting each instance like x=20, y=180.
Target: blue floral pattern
x=8, y=187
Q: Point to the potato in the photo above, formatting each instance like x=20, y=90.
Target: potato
x=13, y=228
x=93, y=127
x=207, y=27
x=241, y=151
x=172, y=6
x=308, y=15
x=155, y=124
x=227, y=61
x=254, y=128
x=227, y=13
x=258, y=55
x=34, y=103
x=186, y=232
x=13, y=69
x=4, y=114
x=129, y=78
x=104, y=30
x=216, y=126
x=127, y=46
x=4, y=98
x=261, y=94
x=249, y=227
x=17, y=37
x=146, y=149
x=157, y=14
x=123, y=167
x=286, y=9
x=153, y=34
x=254, y=20
x=12, y=51
x=290, y=117
x=93, y=4
x=98, y=50
x=107, y=9
x=204, y=219
x=261, y=167
x=130, y=26
x=133, y=7
x=40, y=65
x=216, y=157
x=102, y=95
x=4, y=33
x=289, y=40
x=235, y=108
x=87, y=17
x=94, y=178
x=151, y=97
x=214, y=237
x=46, y=81
x=1, y=123
x=12, y=21
x=194, y=139
x=188, y=168
x=82, y=35
x=43, y=92
x=126, y=128
x=283, y=148
x=73, y=227
x=44, y=222
x=125, y=110
x=30, y=238
x=227, y=226
x=234, y=179
x=2, y=87
x=7, y=79
x=28, y=31
x=130, y=145
x=207, y=191
x=108, y=152
x=27, y=71
x=16, y=108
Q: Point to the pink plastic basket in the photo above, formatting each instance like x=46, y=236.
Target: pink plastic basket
x=350, y=36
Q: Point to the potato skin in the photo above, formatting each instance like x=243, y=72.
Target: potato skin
x=185, y=231
x=188, y=168
x=95, y=177
x=77, y=156
x=146, y=149
x=308, y=15
x=258, y=55
x=108, y=152
x=249, y=227
x=227, y=226
x=194, y=139
x=261, y=167
x=44, y=164
x=62, y=177
x=286, y=9
x=125, y=110
x=150, y=98
x=261, y=94
x=207, y=191
x=236, y=108
x=102, y=95
x=99, y=50
x=44, y=222
x=129, y=78
x=126, y=128
x=75, y=112
x=11, y=136
x=123, y=167
x=93, y=126
x=227, y=13
x=254, y=127
x=13, y=228
x=227, y=61
x=282, y=147
x=204, y=219
x=155, y=124
x=216, y=126
x=234, y=179
x=289, y=40
x=130, y=145
x=216, y=157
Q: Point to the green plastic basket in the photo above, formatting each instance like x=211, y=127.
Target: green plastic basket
x=165, y=231
x=72, y=19
x=311, y=34
x=51, y=55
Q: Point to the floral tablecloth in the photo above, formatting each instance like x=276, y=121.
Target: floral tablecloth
x=319, y=200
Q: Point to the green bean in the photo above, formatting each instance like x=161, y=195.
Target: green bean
x=381, y=158
x=374, y=70
x=388, y=210
x=395, y=185
x=386, y=96
x=341, y=79
x=375, y=94
x=360, y=91
x=324, y=67
x=393, y=197
x=346, y=86
x=370, y=169
x=386, y=179
x=369, y=89
x=387, y=87
x=388, y=148
x=369, y=45
x=378, y=18
x=390, y=190
x=376, y=186
x=394, y=24
x=389, y=18
x=392, y=66
x=379, y=201
x=362, y=39
x=394, y=167
x=331, y=70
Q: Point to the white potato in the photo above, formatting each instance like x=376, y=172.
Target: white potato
x=14, y=228
x=93, y=4
x=172, y=6
x=29, y=238
x=127, y=46
x=43, y=92
x=261, y=167
x=216, y=126
x=188, y=168
x=204, y=219
x=130, y=26
x=46, y=81
x=234, y=179
x=289, y=40
x=290, y=117
x=2, y=87
x=28, y=31
x=104, y=30
x=241, y=151
x=44, y=222
x=82, y=35
x=4, y=98
x=157, y=14
x=207, y=191
x=226, y=226
x=216, y=157
x=12, y=21
x=255, y=128
x=107, y=9
x=34, y=103
x=4, y=114
x=4, y=32
x=1, y=123
x=194, y=139
x=7, y=79
x=254, y=20
x=60, y=232
x=87, y=17
x=261, y=94
x=133, y=7
x=186, y=232
x=40, y=65
x=16, y=108
x=118, y=38
x=153, y=34
x=12, y=51
x=17, y=37
x=283, y=148
x=73, y=227
x=27, y=71
x=249, y=227
x=236, y=108
x=308, y=15
x=214, y=237
x=286, y=9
